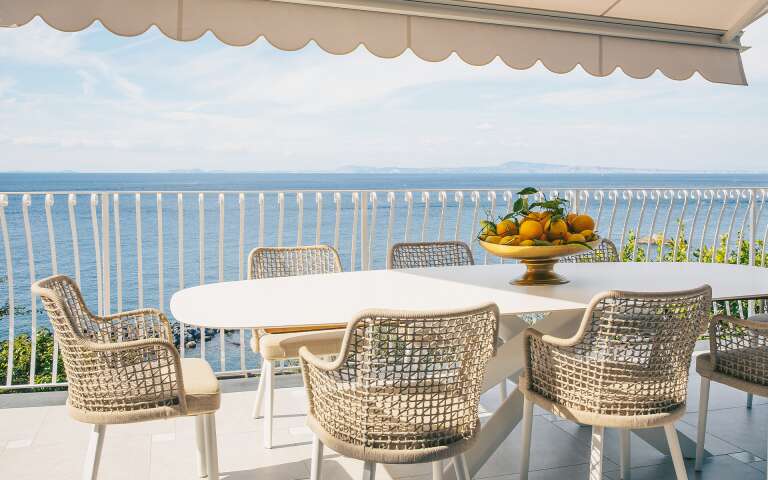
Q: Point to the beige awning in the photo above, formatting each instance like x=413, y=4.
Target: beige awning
x=677, y=37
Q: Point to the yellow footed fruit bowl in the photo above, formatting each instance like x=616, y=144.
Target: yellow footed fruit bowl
x=538, y=234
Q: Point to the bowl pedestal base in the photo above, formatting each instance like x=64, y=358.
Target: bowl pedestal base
x=539, y=271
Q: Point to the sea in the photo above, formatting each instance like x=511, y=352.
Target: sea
x=259, y=224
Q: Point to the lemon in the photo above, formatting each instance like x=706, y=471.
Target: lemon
x=509, y=240
x=493, y=239
x=506, y=227
x=526, y=243
x=582, y=222
x=577, y=237
x=559, y=241
x=588, y=234
x=530, y=229
x=556, y=229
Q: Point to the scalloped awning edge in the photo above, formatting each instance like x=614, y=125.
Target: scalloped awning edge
x=477, y=37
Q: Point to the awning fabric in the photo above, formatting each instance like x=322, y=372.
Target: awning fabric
x=679, y=37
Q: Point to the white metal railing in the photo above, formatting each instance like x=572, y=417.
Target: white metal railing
x=131, y=249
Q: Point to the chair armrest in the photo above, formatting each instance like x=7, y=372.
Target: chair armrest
x=144, y=364
x=137, y=324
x=740, y=322
x=535, y=343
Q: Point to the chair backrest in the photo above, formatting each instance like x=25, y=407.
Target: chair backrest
x=630, y=356
x=406, y=380
x=271, y=262
x=605, y=251
x=430, y=254
x=105, y=379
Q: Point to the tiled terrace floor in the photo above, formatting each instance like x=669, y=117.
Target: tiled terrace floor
x=39, y=442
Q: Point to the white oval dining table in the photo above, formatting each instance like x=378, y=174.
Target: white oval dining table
x=333, y=299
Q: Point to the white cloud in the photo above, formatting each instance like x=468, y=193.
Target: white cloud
x=148, y=102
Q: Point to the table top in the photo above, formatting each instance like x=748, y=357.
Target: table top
x=336, y=298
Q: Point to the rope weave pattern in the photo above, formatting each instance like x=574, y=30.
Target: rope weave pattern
x=632, y=358
x=740, y=348
x=605, y=251
x=117, y=363
x=406, y=381
x=271, y=262
x=430, y=254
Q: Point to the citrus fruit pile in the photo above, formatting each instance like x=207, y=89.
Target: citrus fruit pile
x=539, y=223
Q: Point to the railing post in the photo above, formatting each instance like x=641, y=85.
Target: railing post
x=105, y=262
x=364, y=231
x=752, y=226
x=11, y=296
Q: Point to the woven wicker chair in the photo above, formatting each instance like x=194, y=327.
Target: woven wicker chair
x=435, y=254
x=738, y=357
x=283, y=343
x=124, y=368
x=404, y=389
x=626, y=368
x=605, y=251
x=429, y=254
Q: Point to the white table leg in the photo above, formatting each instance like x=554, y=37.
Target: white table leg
x=509, y=362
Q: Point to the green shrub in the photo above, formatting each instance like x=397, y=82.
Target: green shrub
x=22, y=355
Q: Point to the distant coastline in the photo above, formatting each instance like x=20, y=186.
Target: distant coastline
x=507, y=168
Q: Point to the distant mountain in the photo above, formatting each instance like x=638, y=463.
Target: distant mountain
x=508, y=167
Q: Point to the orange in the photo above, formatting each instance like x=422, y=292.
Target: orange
x=530, y=229
x=569, y=218
x=506, y=227
x=556, y=229
x=582, y=222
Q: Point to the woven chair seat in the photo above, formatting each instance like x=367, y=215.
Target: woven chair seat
x=618, y=399
x=201, y=391
x=278, y=346
x=200, y=386
x=409, y=455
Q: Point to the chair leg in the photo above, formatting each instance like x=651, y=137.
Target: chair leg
x=211, y=447
x=701, y=430
x=596, y=453
x=525, y=448
x=369, y=471
x=202, y=454
x=626, y=448
x=317, y=459
x=260, y=392
x=674, y=450
x=503, y=391
x=437, y=470
x=461, y=467
x=93, y=454
x=269, y=396
x=749, y=400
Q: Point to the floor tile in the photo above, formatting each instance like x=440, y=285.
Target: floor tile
x=715, y=468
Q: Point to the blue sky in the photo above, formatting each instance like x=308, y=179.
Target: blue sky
x=94, y=101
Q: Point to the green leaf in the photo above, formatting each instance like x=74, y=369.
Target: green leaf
x=527, y=191
x=581, y=243
x=509, y=216
x=487, y=227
